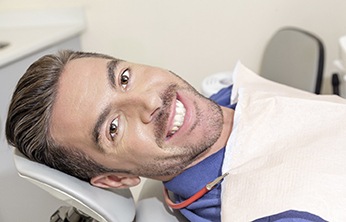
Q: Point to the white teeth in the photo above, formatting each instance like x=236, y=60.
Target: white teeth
x=179, y=117
x=175, y=128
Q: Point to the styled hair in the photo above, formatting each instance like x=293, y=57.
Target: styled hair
x=29, y=114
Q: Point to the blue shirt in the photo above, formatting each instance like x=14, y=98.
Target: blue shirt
x=208, y=207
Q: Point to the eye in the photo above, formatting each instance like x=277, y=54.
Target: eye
x=113, y=128
x=125, y=78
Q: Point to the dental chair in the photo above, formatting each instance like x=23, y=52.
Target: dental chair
x=294, y=57
x=85, y=202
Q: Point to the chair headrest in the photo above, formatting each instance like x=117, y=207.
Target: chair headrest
x=101, y=204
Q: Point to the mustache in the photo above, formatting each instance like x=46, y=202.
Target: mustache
x=161, y=119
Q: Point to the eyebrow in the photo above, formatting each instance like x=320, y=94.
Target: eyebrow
x=111, y=65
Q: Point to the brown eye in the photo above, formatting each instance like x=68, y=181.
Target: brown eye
x=124, y=78
x=113, y=128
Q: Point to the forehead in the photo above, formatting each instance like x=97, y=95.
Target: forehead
x=83, y=66
x=82, y=92
x=82, y=80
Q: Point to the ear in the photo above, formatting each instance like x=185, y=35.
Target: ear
x=112, y=180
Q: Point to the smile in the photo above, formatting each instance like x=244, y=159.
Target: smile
x=178, y=120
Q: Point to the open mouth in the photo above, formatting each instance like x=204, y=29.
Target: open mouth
x=179, y=117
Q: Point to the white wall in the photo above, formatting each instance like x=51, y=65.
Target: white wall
x=198, y=37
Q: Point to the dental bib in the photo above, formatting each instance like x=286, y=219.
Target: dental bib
x=286, y=152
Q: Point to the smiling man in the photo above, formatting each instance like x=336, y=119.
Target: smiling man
x=108, y=121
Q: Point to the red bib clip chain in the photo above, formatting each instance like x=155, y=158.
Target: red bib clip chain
x=194, y=197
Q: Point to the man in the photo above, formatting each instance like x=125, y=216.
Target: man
x=108, y=121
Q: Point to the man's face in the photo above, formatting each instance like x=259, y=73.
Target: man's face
x=138, y=118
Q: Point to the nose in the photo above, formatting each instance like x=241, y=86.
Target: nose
x=144, y=105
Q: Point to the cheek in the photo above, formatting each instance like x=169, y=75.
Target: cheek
x=141, y=141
